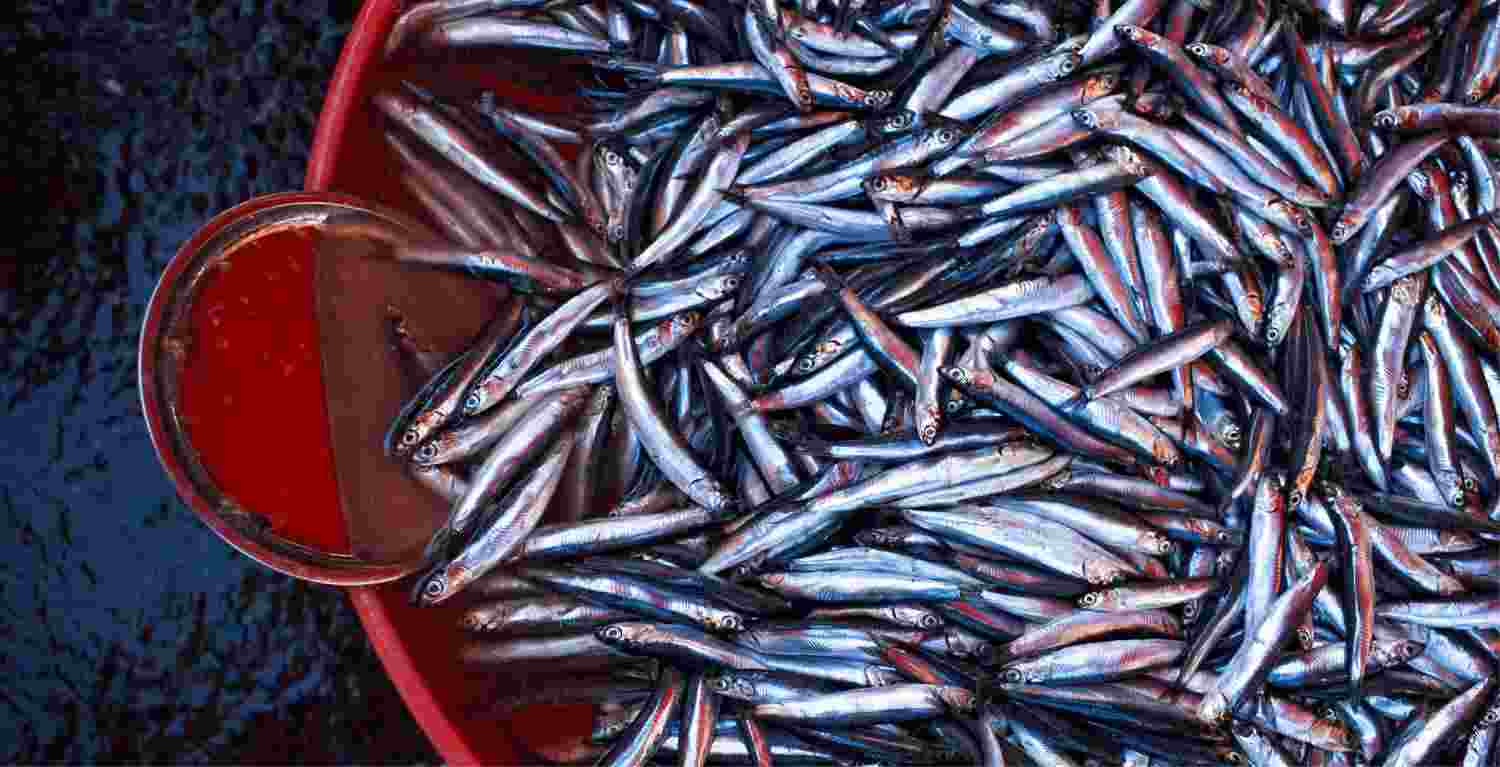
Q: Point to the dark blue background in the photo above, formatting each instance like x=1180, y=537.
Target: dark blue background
x=128, y=631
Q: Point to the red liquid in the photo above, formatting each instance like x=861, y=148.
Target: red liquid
x=252, y=389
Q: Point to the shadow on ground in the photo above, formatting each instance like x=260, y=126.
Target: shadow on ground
x=128, y=631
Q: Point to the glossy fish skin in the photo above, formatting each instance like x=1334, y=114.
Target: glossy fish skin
x=860, y=587
x=638, y=596
x=1105, y=417
x=1011, y=88
x=1380, y=181
x=1424, y=254
x=639, y=742
x=1470, y=613
x=665, y=444
x=509, y=454
x=1424, y=735
x=1268, y=521
x=1278, y=128
x=680, y=644
x=446, y=136
x=1007, y=301
x=1093, y=662
x=1149, y=596
x=516, y=514
x=538, y=615
x=893, y=703
x=1033, y=412
x=1166, y=353
x=595, y=536
x=526, y=351
x=1470, y=391
x=1022, y=535
x=1251, y=663
x=1104, y=524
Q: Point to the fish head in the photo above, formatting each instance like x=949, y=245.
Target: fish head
x=1293, y=214
x=1059, y=480
x=917, y=617
x=429, y=450
x=929, y=420
x=441, y=583
x=1342, y=229
x=1156, y=543
x=1165, y=452
x=944, y=133
x=956, y=403
x=1099, y=86
x=879, y=538
x=894, y=122
x=1065, y=64
x=721, y=287
x=1129, y=159
x=959, y=376
x=624, y=635
x=1214, y=709
x=728, y=623
x=1451, y=486
x=1190, y=610
x=894, y=187
x=1135, y=35
x=683, y=323
x=734, y=684
x=957, y=699
x=710, y=495
x=479, y=621
x=1095, y=600
x=877, y=99
x=1087, y=118
x=1491, y=717
x=1393, y=119
x=1210, y=54
x=1278, y=322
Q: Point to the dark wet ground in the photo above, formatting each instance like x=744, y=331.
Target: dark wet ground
x=128, y=631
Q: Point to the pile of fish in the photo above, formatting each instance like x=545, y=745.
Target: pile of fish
x=1028, y=381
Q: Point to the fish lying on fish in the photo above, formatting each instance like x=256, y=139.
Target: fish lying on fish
x=942, y=381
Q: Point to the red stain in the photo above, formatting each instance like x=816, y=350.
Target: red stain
x=252, y=389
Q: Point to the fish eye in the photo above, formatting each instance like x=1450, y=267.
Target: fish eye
x=946, y=136
x=1470, y=484
x=929, y=621
x=1013, y=676
x=805, y=365
x=881, y=183
x=718, y=683
x=435, y=587
x=410, y=436
x=613, y=633
x=427, y=452
x=1090, y=599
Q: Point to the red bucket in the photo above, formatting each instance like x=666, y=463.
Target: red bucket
x=419, y=647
